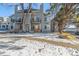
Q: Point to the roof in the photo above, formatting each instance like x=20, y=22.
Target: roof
x=26, y=10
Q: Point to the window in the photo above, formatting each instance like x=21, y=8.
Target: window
x=11, y=27
x=3, y=26
x=37, y=19
x=12, y=20
x=45, y=27
x=33, y=27
x=19, y=20
x=45, y=19
x=7, y=27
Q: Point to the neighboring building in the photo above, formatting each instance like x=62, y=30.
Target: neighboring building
x=71, y=25
x=5, y=24
x=77, y=17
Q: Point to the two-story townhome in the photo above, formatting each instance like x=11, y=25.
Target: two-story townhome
x=5, y=24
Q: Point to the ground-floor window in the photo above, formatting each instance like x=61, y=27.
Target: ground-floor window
x=45, y=27
x=11, y=27
x=7, y=27
x=3, y=26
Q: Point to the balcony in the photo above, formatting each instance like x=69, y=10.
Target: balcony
x=16, y=21
x=36, y=20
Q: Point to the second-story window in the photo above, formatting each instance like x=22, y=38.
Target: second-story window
x=45, y=19
x=19, y=19
x=12, y=20
x=37, y=19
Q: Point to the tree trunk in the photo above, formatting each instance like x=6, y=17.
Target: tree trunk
x=60, y=27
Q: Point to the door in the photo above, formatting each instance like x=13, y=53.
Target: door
x=37, y=28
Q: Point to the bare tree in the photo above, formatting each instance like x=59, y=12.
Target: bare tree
x=64, y=14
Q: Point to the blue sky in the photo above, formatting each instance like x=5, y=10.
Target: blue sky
x=6, y=10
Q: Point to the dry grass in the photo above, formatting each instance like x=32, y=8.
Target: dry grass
x=67, y=45
x=63, y=44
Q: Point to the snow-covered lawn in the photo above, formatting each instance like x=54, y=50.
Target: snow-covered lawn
x=48, y=36
x=25, y=47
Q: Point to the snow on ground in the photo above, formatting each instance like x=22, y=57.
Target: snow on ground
x=24, y=47
x=54, y=37
x=48, y=36
x=31, y=48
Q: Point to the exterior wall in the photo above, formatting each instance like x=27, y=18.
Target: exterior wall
x=33, y=25
x=46, y=25
x=17, y=22
x=17, y=27
x=36, y=25
x=36, y=28
x=28, y=26
x=11, y=27
x=36, y=22
x=27, y=22
x=46, y=28
x=5, y=24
